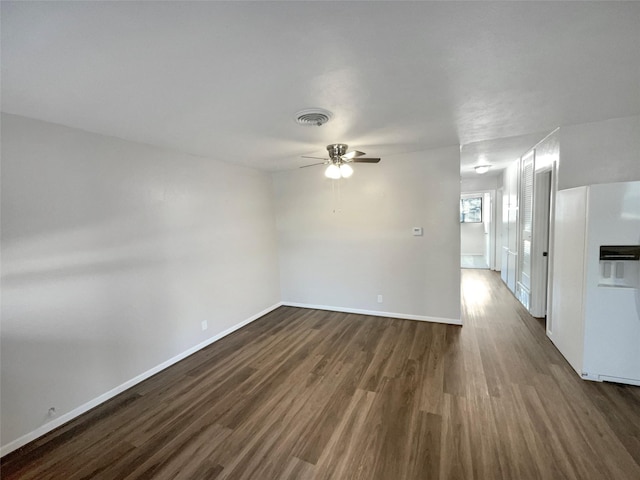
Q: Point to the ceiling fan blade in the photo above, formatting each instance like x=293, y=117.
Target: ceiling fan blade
x=365, y=160
x=318, y=158
x=353, y=154
x=313, y=165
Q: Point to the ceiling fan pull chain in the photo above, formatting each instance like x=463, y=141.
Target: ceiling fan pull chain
x=336, y=197
x=333, y=195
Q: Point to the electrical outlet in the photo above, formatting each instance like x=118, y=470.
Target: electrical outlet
x=204, y=325
x=379, y=298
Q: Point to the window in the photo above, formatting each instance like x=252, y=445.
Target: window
x=471, y=210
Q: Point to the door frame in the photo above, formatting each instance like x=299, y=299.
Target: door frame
x=491, y=261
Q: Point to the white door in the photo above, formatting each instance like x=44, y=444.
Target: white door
x=487, y=221
x=504, y=233
x=498, y=229
x=513, y=175
x=540, y=245
x=523, y=288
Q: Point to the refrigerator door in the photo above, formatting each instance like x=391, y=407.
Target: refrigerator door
x=612, y=290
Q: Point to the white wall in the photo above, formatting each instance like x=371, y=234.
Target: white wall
x=600, y=152
x=112, y=255
x=472, y=239
x=342, y=248
x=481, y=182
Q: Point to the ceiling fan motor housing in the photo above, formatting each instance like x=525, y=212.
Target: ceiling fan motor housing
x=336, y=150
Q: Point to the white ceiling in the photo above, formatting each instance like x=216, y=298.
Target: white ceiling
x=224, y=79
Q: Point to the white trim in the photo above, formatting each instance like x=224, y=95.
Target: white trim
x=14, y=445
x=404, y=316
x=628, y=381
x=591, y=377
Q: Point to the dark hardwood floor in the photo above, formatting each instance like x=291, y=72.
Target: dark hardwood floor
x=306, y=394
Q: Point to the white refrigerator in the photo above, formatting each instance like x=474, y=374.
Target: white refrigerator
x=595, y=305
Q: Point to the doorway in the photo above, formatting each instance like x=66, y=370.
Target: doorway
x=477, y=230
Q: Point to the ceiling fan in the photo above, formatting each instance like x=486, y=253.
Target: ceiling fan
x=339, y=160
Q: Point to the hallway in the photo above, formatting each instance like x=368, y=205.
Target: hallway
x=562, y=426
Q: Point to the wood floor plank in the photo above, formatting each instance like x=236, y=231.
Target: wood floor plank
x=346, y=452
x=298, y=469
x=326, y=413
x=433, y=379
x=455, y=459
x=309, y=394
x=483, y=438
x=423, y=458
x=546, y=433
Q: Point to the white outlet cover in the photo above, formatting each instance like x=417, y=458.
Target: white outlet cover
x=204, y=325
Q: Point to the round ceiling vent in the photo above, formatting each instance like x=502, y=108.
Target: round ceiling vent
x=313, y=116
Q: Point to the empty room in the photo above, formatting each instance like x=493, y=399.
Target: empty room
x=320, y=240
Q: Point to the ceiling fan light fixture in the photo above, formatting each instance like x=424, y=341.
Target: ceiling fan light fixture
x=338, y=163
x=345, y=170
x=333, y=172
x=481, y=169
